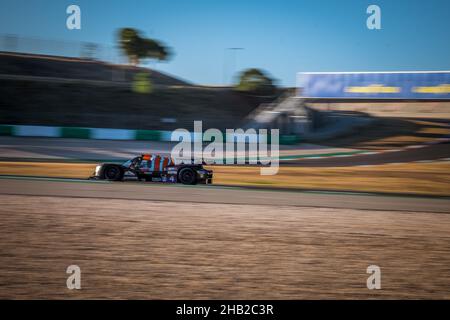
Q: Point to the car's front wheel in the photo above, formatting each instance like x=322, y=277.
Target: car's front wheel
x=113, y=173
x=187, y=176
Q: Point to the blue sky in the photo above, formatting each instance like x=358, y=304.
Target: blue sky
x=280, y=36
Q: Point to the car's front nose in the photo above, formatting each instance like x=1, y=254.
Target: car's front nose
x=97, y=172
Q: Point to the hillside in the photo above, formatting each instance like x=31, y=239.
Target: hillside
x=25, y=100
x=74, y=68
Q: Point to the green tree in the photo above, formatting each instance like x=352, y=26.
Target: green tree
x=142, y=83
x=138, y=48
x=255, y=81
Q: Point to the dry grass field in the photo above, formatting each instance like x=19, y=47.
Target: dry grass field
x=412, y=178
x=164, y=250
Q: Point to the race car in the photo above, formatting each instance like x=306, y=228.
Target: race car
x=154, y=168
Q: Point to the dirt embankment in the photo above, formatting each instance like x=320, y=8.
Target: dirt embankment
x=113, y=104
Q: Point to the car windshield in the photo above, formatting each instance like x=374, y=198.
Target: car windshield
x=127, y=163
x=130, y=162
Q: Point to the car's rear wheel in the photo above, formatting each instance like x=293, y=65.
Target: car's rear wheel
x=187, y=176
x=113, y=173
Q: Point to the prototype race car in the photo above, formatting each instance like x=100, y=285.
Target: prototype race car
x=155, y=169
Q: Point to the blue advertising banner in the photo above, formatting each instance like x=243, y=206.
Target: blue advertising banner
x=375, y=85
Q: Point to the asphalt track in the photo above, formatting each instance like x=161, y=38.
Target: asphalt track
x=217, y=194
x=54, y=149
x=423, y=153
